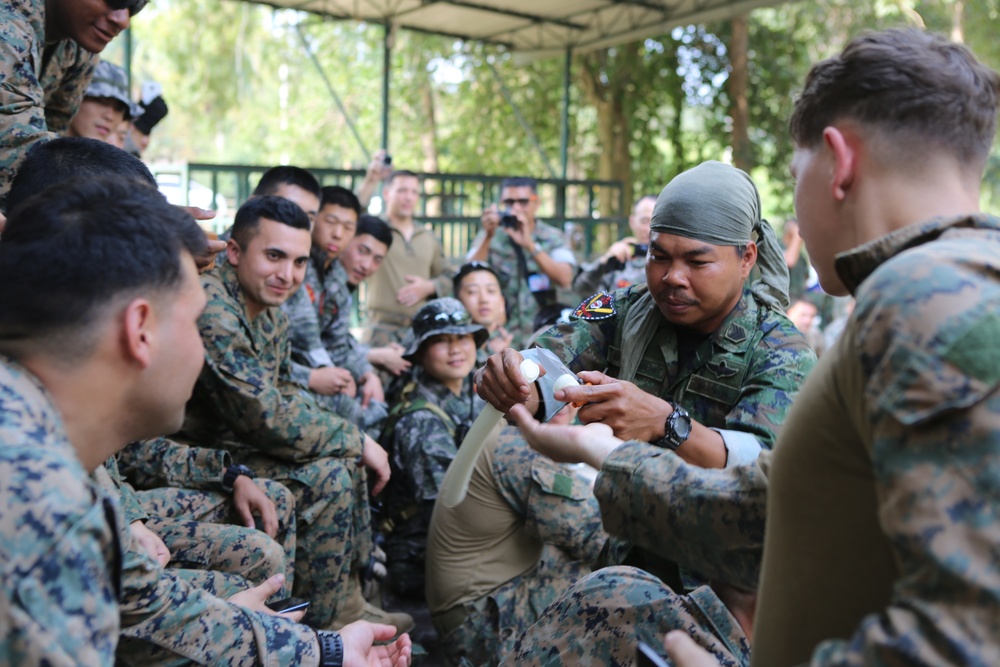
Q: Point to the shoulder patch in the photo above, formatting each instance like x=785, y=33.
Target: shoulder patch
x=601, y=306
x=976, y=353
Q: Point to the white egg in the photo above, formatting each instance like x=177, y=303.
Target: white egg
x=565, y=380
x=529, y=369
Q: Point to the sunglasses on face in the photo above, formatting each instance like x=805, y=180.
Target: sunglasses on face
x=523, y=202
x=133, y=6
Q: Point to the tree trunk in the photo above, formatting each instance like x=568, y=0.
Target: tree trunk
x=613, y=124
x=957, y=21
x=739, y=106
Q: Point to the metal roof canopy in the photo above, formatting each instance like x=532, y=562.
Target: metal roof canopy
x=528, y=28
x=538, y=27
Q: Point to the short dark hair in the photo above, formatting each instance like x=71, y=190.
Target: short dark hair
x=912, y=86
x=376, y=227
x=468, y=268
x=400, y=172
x=336, y=195
x=246, y=224
x=520, y=182
x=58, y=160
x=76, y=248
x=275, y=177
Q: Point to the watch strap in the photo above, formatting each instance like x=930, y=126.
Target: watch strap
x=234, y=470
x=331, y=649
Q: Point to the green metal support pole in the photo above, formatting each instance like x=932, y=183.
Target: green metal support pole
x=386, y=71
x=564, y=140
x=128, y=60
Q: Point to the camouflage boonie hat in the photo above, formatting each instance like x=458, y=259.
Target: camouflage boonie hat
x=443, y=316
x=110, y=81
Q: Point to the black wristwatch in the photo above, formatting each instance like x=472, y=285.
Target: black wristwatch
x=676, y=430
x=233, y=471
x=331, y=649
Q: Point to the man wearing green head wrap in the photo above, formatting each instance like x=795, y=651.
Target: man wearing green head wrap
x=701, y=359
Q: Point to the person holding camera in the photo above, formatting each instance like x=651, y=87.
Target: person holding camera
x=624, y=263
x=531, y=257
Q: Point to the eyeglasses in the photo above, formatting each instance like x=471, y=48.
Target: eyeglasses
x=523, y=202
x=133, y=6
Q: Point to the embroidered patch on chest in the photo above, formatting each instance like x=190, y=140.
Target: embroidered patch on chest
x=601, y=306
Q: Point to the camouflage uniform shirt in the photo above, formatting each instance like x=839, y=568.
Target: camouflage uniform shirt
x=59, y=551
x=886, y=478
x=41, y=85
x=244, y=400
x=519, y=285
x=319, y=316
x=427, y=425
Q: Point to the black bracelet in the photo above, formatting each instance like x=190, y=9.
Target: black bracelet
x=331, y=649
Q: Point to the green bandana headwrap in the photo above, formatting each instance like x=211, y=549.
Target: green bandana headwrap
x=719, y=204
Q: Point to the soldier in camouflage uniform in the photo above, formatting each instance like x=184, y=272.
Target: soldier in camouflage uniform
x=425, y=427
x=326, y=358
x=527, y=530
x=246, y=403
x=878, y=480
x=531, y=257
x=44, y=75
x=624, y=263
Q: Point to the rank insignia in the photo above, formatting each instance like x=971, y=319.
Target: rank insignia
x=601, y=306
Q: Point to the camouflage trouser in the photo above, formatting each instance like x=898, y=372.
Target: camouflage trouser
x=494, y=622
x=559, y=508
x=333, y=528
x=601, y=618
x=198, y=528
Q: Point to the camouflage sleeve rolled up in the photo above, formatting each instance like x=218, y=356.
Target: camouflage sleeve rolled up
x=165, y=618
x=926, y=328
x=711, y=521
x=556, y=501
x=245, y=388
x=162, y=462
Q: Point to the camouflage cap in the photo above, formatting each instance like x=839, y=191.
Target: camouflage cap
x=110, y=81
x=443, y=316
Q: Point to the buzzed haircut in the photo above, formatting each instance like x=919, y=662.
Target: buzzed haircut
x=52, y=162
x=79, y=248
x=400, y=172
x=917, y=89
x=275, y=177
x=520, y=182
x=336, y=195
x=246, y=225
x=376, y=227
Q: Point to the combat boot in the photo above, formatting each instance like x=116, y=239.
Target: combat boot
x=356, y=608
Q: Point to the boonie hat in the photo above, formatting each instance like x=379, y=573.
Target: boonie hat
x=443, y=316
x=109, y=81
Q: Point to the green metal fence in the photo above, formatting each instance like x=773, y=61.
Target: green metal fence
x=451, y=203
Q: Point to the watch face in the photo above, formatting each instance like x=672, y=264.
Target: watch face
x=682, y=427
